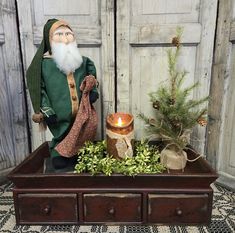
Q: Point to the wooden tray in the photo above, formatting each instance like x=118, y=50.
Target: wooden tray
x=68, y=198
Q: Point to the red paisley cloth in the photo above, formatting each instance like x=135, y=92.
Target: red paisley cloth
x=85, y=124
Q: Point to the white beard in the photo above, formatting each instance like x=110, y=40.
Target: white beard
x=66, y=56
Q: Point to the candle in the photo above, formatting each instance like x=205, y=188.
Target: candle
x=119, y=123
x=120, y=134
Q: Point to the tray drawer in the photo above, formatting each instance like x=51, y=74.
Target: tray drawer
x=47, y=208
x=112, y=207
x=178, y=208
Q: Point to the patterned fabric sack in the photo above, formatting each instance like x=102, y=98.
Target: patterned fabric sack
x=85, y=124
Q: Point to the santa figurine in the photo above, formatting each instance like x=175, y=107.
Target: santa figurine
x=62, y=86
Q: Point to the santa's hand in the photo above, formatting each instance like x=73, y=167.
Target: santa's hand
x=51, y=120
x=88, y=83
x=93, y=96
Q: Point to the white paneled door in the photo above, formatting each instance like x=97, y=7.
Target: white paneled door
x=145, y=29
x=93, y=24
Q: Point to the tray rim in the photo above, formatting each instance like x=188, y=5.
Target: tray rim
x=15, y=172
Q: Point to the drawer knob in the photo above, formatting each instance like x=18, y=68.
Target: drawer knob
x=111, y=211
x=179, y=212
x=47, y=209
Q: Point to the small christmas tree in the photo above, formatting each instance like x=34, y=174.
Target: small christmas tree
x=175, y=113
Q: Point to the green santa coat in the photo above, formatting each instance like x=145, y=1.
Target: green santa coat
x=57, y=96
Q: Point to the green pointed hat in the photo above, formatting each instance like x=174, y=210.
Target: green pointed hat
x=34, y=72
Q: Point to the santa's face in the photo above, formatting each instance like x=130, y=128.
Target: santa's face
x=63, y=35
x=65, y=51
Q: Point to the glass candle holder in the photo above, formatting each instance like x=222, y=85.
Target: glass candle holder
x=120, y=135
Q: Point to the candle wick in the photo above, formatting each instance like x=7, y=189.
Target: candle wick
x=119, y=121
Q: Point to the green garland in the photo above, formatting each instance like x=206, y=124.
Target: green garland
x=93, y=158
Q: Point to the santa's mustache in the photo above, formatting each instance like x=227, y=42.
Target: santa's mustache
x=66, y=56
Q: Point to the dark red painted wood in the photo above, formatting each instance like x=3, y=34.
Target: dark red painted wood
x=29, y=175
x=178, y=208
x=68, y=198
x=47, y=208
x=112, y=207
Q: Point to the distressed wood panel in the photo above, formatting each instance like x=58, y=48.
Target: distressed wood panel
x=208, y=14
x=217, y=85
x=221, y=130
x=154, y=61
x=123, y=55
x=232, y=32
x=7, y=153
x=165, y=11
x=226, y=162
x=75, y=7
x=150, y=25
x=13, y=120
x=93, y=23
x=162, y=34
x=229, y=122
x=107, y=58
x=2, y=38
x=166, y=7
x=76, y=12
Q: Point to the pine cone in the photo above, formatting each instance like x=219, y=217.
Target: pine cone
x=176, y=41
x=171, y=102
x=152, y=121
x=202, y=121
x=156, y=105
x=176, y=123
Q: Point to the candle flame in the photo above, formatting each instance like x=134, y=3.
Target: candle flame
x=119, y=121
